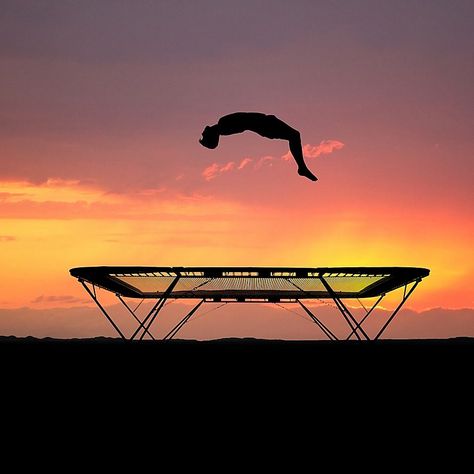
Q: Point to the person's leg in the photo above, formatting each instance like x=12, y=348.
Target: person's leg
x=297, y=152
x=272, y=127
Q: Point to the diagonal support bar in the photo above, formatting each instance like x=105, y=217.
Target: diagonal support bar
x=348, y=321
x=156, y=309
x=339, y=307
x=323, y=328
x=354, y=320
x=329, y=334
x=405, y=297
x=133, y=314
x=366, y=316
x=141, y=326
x=178, y=327
x=353, y=324
x=153, y=314
x=94, y=297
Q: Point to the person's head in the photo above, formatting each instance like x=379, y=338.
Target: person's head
x=210, y=137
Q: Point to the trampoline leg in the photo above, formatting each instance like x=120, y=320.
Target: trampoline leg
x=155, y=310
x=153, y=315
x=178, y=327
x=366, y=316
x=134, y=315
x=343, y=310
x=405, y=297
x=329, y=334
x=351, y=321
x=94, y=297
x=141, y=326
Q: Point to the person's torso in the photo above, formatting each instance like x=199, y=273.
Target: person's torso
x=240, y=121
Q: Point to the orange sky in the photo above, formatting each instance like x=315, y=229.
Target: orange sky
x=56, y=225
x=101, y=110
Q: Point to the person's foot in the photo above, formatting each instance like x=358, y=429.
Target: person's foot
x=307, y=174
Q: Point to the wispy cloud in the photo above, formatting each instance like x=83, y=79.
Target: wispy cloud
x=244, y=163
x=266, y=160
x=324, y=148
x=72, y=200
x=227, y=167
x=313, y=151
x=309, y=151
x=52, y=190
x=7, y=238
x=215, y=169
x=151, y=192
x=211, y=172
x=68, y=299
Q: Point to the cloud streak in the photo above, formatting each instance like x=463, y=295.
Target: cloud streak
x=214, y=170
x=66, y=200
x=326, y=147
x=59, y=299
x=244, y=163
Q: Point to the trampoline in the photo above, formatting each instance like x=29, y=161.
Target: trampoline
x=224, y=285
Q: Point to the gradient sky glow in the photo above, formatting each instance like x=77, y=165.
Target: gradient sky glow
x=102, y=104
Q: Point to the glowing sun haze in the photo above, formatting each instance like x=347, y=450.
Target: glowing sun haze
x=102, y=105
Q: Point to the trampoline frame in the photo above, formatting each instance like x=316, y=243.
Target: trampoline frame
x=394, y=278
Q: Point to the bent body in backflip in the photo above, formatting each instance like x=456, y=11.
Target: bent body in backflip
x=267, y=126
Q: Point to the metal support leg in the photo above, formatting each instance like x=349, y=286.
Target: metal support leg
x=339, y=307
x=405, y=297
x=178, y=327
x=134, y=315
x=344, y=311
x=354, y=320
x=164, y=298
x=348, y=321
x=141, y=326
x=326, y=331
x=366, y=316
x=152, y=316
x=94, y=297
x=329, y=334
x=155, y=310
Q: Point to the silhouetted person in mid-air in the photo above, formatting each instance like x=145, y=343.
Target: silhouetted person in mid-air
x=267, y=126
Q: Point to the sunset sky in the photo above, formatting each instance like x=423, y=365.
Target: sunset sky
x=102, y=104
